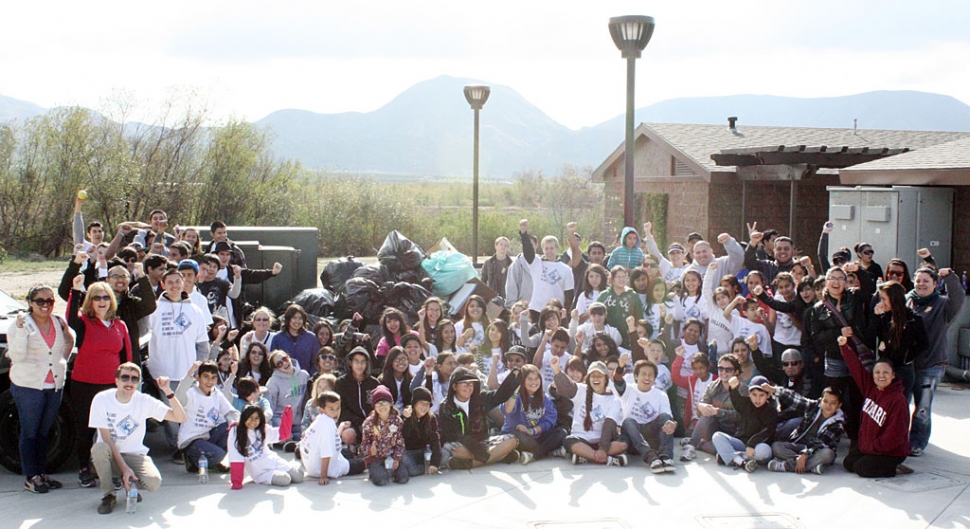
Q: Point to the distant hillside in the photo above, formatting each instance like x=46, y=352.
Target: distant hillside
x=427, y=129
x=11, y=108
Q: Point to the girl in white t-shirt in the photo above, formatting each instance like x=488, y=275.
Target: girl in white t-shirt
x=597, y=279
x=249, y=447
x=596, y=414
x=471, y=329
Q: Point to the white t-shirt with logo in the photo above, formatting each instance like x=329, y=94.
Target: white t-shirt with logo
x=644, y=406
x=125, y=421
x=550, y=279
x=176, y=328
x=261, y=462
x=605, y=406
x=320, y=441
x=202, y=414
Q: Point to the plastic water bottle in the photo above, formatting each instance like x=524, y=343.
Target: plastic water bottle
x=427, y=455
x=203, y=470
x=132, y=501
x=389, y=462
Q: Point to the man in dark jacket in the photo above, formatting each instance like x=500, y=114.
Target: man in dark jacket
x=463, y=426
x=354, y=389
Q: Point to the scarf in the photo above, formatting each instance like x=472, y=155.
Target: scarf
x=921, y=301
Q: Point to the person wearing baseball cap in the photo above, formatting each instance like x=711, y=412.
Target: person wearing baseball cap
x=596, y=414
x=756, y=429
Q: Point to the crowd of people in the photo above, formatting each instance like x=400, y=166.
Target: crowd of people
x=756, y=357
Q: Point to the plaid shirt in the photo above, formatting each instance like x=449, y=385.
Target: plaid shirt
x=829, y=432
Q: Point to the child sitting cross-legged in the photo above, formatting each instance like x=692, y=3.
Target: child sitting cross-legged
x=813, y=444
x=320, y=446
x=647, y=424
x=205, y=432
x=249, y=450
x=422, y=443
x=758, y=417
x=383, y=440
x=596, y=414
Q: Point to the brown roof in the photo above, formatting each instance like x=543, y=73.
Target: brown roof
x=698, y=142
x=944, y=163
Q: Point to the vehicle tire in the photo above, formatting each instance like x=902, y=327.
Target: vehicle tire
x=60, y=446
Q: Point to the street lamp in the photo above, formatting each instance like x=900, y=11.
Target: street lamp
x=630, y=34
x=476, y=95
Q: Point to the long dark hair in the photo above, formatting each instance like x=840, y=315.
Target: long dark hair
x=897, y=306
x=592, y=355
x=242, y=433
x=391, y=312
x=700, y=284
x=431, y=333
x=467, y=320
x=264, y=369
x=604, y=279
x=504, y=345
x=290, y=312
x=536, y=401
x=439, y=338
x=387, y=375
x=321, y=324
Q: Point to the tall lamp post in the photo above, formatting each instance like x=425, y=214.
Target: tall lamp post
x=476, y=95
x=630, y=34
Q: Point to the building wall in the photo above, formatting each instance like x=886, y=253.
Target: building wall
x=961, y=229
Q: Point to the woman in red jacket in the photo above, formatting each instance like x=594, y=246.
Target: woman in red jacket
x=103, y=344
x=884, y=426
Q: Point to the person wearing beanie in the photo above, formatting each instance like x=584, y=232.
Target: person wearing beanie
x=421, y=438
x=354, y=388
x=382, y=445
x=756, y=430
x=463, y=427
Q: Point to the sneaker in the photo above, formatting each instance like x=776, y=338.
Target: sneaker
x=511, y=458
x=916, y=452
x=221, y=468
x=86, y=479
x=777, y=465
x=684, y=441
x=116, y=482
x=690, y=453
x=107, y=504
x=657, y=466
x=560, y=452
x=289, y=447
x=178, y=458
x=577, y=460
x=36, y=485
x=669, y=467
x=617, y=461
x=818, y=469
x=902, y=470
x=751, y=465
x=52, y=484
x=192, y=467
x=526, y=457
x=459, y=464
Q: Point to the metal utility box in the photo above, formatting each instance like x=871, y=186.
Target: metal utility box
x=897, y=221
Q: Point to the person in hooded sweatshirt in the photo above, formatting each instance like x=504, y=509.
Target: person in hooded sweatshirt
x=462, y=422
x=286, y=387
x=628, y=255
x=884, y=426
x=354, y=388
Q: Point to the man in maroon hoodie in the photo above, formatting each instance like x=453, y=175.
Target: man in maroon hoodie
x=884, y=426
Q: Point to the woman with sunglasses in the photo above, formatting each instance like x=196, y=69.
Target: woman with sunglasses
x=103, y=344
x=39, y=346
x=262, y=320
x=864, y=252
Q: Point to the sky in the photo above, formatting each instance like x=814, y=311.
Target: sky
x=247, y=59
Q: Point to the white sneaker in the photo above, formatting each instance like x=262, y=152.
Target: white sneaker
x=657, y=466
x=617, y=461
x=560, y=452
x=684, y=441
x=526, y=457
x=690, y=453
x=777, y=465
x=579, y=460
x=751, y=465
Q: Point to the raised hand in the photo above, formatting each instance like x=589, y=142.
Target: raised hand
x=78, y=282
x=631, y=324
x=752, y=227
x=524, y=226
x=757, y=290
x=842, y=340
x=680, y=350
x=277, y=268
x=828, y=227
x=752, y=342
x=723, y=238
x=923, y=253
x=647, y=230
x=734, y=383
x=164, y=385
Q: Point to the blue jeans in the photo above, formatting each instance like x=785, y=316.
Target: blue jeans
x=213, y=448
x=923, y=390
x=413, y=461
x=729, y=447
x=37, y=409
x=381, y=476
x=649, y=440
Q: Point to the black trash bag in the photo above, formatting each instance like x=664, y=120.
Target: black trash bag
x=372, y=272
x=317, y=302
x=336, y=273
x=398, y=253
x=362, y=296
x=408, y=276
x=408, y=298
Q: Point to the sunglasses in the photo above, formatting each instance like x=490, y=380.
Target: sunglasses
x=282, y=362
x=129, y=378
x=725, y=369
x=894, y=273
x=261, y=320
x=791, y=364
x=130, y=260
x=104, y=297
x=329, y=357
x=867, y=252
x=43, y=301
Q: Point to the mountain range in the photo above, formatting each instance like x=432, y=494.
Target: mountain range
x=426, y=131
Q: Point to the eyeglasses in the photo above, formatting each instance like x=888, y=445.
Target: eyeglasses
x=401, y=360
x=282, y=362
x=129, y=378
x=721, y=369
x=104, y=297
x=465, y=383
x=43, y=301
x=866, y=252
x=650, y=265
x=791, y=364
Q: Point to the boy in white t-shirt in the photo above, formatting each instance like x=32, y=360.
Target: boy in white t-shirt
x=558, y=342
x=120, y=415
x=749, y=325
x=205, y=433
x=320, y=446
x=647, y=420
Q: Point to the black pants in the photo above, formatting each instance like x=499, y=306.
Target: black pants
x=81, y=396
x=871, y=466
x=851, y=403
x=547, y=442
